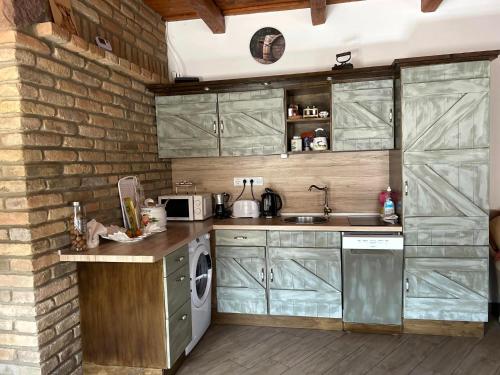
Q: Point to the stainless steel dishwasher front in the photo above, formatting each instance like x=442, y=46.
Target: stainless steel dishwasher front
x=372, y=278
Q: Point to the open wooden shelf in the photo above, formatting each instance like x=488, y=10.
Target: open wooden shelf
x=309, y=120
x=309, y=152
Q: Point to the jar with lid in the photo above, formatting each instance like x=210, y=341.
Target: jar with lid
x=296, y=143
x=78, y=228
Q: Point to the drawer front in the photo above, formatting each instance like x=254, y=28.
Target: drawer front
x=240, y=237
x=176, y=260
x=179, y=333
x=178, y=290
x=281, y=238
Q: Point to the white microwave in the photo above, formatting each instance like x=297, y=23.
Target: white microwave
x=187, y=207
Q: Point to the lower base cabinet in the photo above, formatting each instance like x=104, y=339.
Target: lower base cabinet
x=446, y=283
x=136, y=314
x=305, y=282
x=241, y=279
x=278, y=279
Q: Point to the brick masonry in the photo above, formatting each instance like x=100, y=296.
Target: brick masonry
x=135, y=31
x=69, y=129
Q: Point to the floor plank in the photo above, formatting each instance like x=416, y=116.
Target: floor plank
x=245, y=350
x=306, y=346
x=406, y=357
x=370, y=354
x=446, y=358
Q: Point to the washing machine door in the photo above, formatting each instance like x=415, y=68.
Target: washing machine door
x=201, y=275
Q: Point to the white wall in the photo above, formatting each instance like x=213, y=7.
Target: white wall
x=376, y=31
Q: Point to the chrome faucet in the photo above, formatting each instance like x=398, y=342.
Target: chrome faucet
x=326, y=209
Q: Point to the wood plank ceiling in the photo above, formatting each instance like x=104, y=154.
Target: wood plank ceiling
x=212, y=12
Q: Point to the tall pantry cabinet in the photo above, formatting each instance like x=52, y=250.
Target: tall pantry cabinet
x=445, y=144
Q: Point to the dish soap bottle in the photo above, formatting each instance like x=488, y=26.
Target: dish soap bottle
x=388, y=204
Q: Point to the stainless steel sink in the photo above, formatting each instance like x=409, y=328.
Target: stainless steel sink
x=305, y=219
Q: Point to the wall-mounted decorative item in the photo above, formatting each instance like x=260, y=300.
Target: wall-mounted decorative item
x=343, y=61
x=103, y=43
x=62, y=12
x=267, y=45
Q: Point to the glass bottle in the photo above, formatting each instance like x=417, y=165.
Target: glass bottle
x=78, y=228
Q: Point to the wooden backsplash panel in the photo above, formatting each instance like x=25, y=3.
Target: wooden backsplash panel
x=354, y=178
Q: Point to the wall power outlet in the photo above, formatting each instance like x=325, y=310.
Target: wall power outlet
x=257, y=181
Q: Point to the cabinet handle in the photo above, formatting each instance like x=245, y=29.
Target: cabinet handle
x=272, y=275
x=406, y=188
x=262, y=274
x=180, y=259
x=181, y=278
x=184, y=317
x=407, y=285
x=215, y=127
x=222, y=126
x=390, y=115
x=240, y=237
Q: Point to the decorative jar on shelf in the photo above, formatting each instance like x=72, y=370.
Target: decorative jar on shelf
x=78, y=228
x=296, y=143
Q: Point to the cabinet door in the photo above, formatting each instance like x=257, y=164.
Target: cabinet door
x=241, y=280
x=252, y=123
x=446, y=156
x=446, y=289
x=363, y=115
x=305, y=282
x=187, y=126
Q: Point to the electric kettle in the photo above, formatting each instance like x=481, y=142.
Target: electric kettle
x=271, y=203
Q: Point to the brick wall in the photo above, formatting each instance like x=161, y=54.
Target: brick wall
x=69, y=129
x=135, y=31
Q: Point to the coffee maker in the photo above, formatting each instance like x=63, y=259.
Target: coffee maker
x=271, y=203
x=221, y=211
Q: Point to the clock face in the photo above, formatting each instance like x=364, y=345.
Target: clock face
x=267, y=45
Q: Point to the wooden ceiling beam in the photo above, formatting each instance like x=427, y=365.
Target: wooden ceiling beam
x=429, y=6
x=318, y=12
x=210, y=13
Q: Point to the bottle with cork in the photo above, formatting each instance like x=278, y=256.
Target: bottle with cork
x=78, y=228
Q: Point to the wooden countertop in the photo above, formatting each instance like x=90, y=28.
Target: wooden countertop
x=159, y=245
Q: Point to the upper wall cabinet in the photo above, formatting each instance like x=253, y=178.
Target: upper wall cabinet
x=252, y=123
x=446, y=153
x=187, y=125
x=363, y=115
x=229, y=124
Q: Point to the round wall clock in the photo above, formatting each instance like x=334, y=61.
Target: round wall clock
x=267, y=45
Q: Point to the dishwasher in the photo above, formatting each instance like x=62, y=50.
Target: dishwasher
x=372, y=278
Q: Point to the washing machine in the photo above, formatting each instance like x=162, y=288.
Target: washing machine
x=200, y=271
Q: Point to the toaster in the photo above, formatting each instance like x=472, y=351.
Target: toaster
x=246, y=208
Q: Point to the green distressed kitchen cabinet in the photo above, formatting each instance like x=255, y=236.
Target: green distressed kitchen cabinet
x=446, y=154
x=241, y=279
x=305, y=282
x=363, y=115
x=252, y=123
x=228, y=124
x=446, y=283
x=187, y=126
x=445, y=127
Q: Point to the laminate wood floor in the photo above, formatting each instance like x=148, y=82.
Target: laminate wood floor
x=245, y=350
